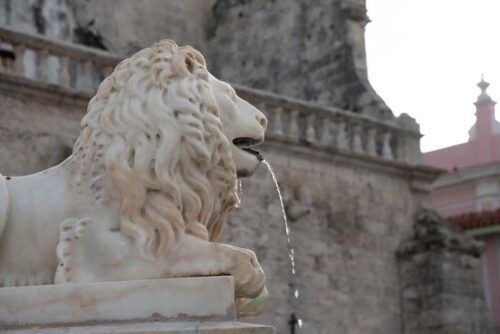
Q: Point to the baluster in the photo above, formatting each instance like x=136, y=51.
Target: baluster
x=386, y=146
x=341, y=136
x=326, y=133
x=277, y=121
x=19, y=51
x=400, y=148
x=371, y=142
x=64, y=78
x=87, y=82
x=357, y=144
x=293, y=125
x=42, y=65
x=310, y=132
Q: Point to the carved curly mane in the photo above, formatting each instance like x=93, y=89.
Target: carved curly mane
x=154, y=128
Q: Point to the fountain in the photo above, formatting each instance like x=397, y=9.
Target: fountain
x=120, y=236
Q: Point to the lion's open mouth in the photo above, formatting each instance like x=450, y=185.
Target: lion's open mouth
x=244, y=143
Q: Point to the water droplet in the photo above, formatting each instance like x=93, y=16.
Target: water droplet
x=300, y=323
x=296, y=294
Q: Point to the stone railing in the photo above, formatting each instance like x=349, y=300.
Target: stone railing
x=334, y=129
x=81, y=69
x=42, y=59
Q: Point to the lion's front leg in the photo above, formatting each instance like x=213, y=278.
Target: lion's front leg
x=89, y=253
x=197, y=257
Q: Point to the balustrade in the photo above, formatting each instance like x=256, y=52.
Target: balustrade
x=334, y=129
x=80, y=68
x=63, y=57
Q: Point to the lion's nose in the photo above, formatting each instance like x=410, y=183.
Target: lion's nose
x=262, y=120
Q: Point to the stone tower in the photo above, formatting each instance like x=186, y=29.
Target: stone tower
x=310, y=50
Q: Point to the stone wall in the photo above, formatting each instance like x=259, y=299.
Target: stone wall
x=311, y=50
x=441, y=289
x=347, y=219
x=37, y=125
x=119, y=26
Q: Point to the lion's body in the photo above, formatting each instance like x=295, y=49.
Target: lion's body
x=38, y=205
x=31, y=223
x=150, y=180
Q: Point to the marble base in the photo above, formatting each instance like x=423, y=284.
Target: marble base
x=188, y=327
x=179, y=305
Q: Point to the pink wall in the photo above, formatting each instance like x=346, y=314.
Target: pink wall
x=454, y=193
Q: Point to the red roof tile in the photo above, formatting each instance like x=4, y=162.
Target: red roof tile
x=477, y=219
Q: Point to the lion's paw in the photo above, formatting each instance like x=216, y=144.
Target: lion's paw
x=71, y=231
x=249, y=278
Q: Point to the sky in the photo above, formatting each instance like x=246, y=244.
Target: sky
x=425, y=58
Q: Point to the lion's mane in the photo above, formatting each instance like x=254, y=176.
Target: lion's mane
x=154, y=129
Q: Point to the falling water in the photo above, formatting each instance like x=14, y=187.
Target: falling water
x=239, y=194
x=291, y=250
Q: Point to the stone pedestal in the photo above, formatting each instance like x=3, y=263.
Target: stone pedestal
x=180, y=305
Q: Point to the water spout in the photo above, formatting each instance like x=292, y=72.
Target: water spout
x=291, y=249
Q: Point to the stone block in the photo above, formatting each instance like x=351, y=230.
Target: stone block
x=183, y=327
x=176, y=305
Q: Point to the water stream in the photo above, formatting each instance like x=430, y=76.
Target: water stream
x=291, y=249
x=240, y=193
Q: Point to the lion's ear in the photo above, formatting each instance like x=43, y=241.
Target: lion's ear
x=184, y=62
x=190, y=62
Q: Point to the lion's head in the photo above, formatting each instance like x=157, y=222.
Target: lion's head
x=172, y=139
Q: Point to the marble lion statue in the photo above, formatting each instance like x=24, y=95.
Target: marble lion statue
x=145, y=192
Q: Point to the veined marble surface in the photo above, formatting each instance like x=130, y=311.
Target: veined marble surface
x=183, y=327
x=196, y=299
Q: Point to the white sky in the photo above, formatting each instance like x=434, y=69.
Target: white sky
x=425, y=58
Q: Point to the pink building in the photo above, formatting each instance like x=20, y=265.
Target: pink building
x=469, y=194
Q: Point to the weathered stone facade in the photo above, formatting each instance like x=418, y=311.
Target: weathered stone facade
x=350, y=171
x=121, y=27
x=259, y=43
x=441, y=289
x=269, y=44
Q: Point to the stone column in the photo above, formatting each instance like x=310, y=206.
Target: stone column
x=439, y=277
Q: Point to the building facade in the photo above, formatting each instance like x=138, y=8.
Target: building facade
x=469, y=194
